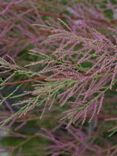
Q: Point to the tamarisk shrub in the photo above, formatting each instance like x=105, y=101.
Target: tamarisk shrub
x=74, y=68
x=17, y=25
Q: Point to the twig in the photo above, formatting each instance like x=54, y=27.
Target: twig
x=39, y=78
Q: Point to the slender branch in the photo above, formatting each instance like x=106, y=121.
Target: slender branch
x=39, y=78
x=22, y=8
